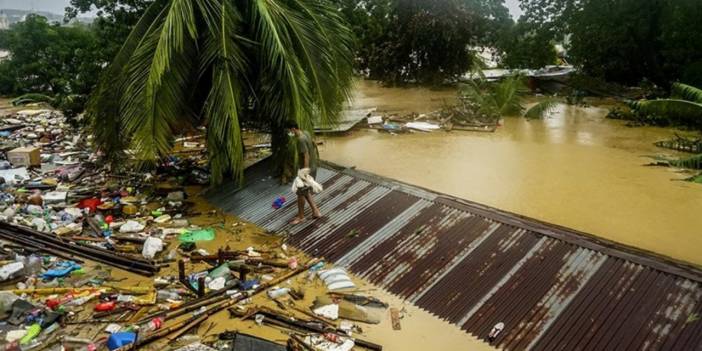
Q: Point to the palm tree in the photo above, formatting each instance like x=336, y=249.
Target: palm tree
x=218, y=64
x=506, y=98
x=683, y=108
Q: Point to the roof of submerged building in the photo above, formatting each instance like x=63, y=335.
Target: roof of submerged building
x=474, y=266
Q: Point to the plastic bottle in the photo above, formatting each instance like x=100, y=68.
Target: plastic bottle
x=106, y=306
x=32, y=265
x=221, y=271
x=278, y=292
x=200, y=311
x=153, y=324
x=162, y=295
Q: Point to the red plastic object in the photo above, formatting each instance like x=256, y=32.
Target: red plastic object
x=109, y=219
x=106, y=306
x=52, y=303
x=90, y=203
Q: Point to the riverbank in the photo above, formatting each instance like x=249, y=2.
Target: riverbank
x=576, y=169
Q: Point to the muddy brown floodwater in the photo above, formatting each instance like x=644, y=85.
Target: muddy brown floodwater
x=575, y=169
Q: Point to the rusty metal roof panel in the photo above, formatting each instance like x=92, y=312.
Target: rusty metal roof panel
x=473, y=266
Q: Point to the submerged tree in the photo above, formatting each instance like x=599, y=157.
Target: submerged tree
x=219, y=63
x=683, y=108
x=506, y=98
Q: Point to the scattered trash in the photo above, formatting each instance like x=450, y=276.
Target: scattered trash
x=495, y=331
x=197, y=235
x=326, y=343
x=336, y=279
x=277, y=292
x=395, y=317
x=279, y=202
x=422, y=126
x=330, y=311
x=152, y=246
x=120, y=339
x=375, y=120
x=68, y=224
x=346, y=310
x=131, y=227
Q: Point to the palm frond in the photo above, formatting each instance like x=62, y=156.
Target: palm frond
x=290, y=83
x=682, y=112
x=160, y=70
x=693, y=162
x=541, y=109
x=686, y=92
x=103, y=109
x=261, y=61
x=221, y=112
x=222, y=107
x=508, y=95
x=325, y=43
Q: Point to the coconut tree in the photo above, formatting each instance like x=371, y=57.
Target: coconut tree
x=506, y=98
x=218, y=64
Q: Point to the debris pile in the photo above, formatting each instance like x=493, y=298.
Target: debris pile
x=466, y=115
x=92, y=259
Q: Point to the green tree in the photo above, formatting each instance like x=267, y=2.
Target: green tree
x=625, y=41
x=681, y=41
x=49, y=58
x=523, y=46
x=115, y=19
x=402, y=41
x=220, y=63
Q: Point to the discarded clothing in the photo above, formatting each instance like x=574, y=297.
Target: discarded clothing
x=62, y=270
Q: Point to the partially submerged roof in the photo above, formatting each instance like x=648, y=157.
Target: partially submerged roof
x=476, y=266
x=349, y=118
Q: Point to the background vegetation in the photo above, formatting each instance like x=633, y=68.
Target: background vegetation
x=625, y=41
x=629, y=42
x=61, y=61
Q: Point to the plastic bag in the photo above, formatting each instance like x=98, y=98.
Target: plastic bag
x=152, y=246
x=197, y=235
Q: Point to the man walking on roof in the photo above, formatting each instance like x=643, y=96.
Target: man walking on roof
x=307, y=160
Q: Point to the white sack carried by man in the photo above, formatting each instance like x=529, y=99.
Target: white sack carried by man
x=305, y=180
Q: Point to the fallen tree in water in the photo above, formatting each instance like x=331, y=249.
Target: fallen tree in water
x=683, y=108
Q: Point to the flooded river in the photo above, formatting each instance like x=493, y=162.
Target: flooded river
x=575, y=169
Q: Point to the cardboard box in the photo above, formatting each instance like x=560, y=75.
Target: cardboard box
x=24, y=156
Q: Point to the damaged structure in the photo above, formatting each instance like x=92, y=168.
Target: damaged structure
x=515, y=282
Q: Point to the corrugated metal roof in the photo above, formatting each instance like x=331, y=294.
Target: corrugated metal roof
x=474, y=266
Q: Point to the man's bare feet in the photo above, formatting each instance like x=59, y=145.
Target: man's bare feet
x=297, y=220
x=317, y=215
